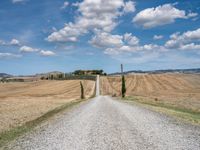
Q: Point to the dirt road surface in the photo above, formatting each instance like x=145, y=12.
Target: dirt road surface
x=104, y=124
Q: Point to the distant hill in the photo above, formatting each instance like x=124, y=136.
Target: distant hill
x=196, y=70
x=5, y=75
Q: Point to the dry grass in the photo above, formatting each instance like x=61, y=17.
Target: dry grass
x=178, y=90
x=26, y=101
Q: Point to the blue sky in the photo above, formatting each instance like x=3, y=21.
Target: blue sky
x=41, y=36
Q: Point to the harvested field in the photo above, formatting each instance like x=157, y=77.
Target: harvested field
x=24, y=101
x=179, y=90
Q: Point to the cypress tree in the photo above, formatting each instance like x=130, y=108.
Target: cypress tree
x=123, y=86
x=82, y=90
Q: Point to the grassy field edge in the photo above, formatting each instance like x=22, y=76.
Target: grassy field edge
x=187, y=115
x=13, y=133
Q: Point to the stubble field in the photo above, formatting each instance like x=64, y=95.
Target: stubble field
x=177, y=90
x=21, y=102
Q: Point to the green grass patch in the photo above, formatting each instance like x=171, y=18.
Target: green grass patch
x=12, y=134
x=182, y=113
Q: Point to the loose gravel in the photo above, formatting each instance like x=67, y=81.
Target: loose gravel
x=106, y=124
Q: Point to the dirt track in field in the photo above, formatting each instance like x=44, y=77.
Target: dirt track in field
x=25, y=101
x=176, y=89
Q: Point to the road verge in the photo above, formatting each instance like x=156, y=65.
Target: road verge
x=184, y=114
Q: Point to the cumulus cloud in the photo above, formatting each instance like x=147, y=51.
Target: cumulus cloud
x=192, y=15
x=14, y=42
x=188, y=40
x=161, y=15
x=157, y=37
x=28, y=49
x=9, y=55
x=93, y=15
x=117, y=44
x=65, y=4
x=130, y=39
x=69, y=33
x=133, y=49
x=104, y=39
x=128, y=43
x=47, y=53
x=99, y=18
x=129, y=7
x=190, y=46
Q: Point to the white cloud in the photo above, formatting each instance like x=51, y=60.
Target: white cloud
x=99, y=14
x=69, y=33
x=14, y=42
x=47, y=53
x=93, y=15
x=99, y=18
x=28, y=49
x=190, y=46
x=157, y=37
x=111, y=42
x=129, y=7
x=65, y=5
x=188, y=40
x=130, y=39
x=9, y=55
x=104, y=39
x=161, y=15
x=192, y=15
x=191, y=35
x=128, y=43
x=150, y=47
x=133, y=49
x=117, y=44
x=17, y=1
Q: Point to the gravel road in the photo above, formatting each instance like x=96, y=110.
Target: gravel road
x=106, y=124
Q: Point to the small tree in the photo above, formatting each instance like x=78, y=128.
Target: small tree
x=82, y=90
x=123, y=86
